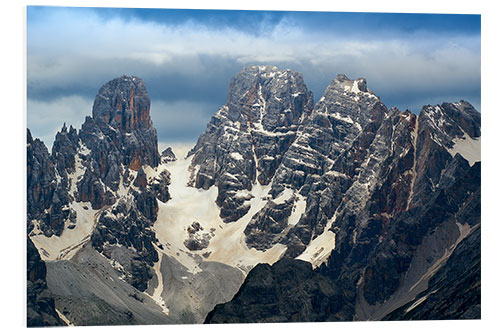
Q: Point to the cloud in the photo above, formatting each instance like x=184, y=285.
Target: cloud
x=181, y=121
x=46, y=118
x=187, y=64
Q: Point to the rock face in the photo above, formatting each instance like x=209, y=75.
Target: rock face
x=119, y=133
x=454, y=292
x=47, y=198
x=388, y=196
x=40, y=309
x=344, y=119
x=419, y=190
x=246, y=139
x=168, y=155
x=121, y=110
x=289, y=291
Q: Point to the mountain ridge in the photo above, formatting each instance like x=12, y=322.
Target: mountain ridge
x=331, y=184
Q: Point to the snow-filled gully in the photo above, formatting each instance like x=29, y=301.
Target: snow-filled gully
x=188, y=204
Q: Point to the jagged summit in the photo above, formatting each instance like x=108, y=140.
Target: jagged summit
x=355, y=86
x=258, y=93
x=121, y=115
x=124, y=104
x=246, y=139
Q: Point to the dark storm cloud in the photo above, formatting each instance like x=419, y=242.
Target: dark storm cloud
x=168, y=82
x=254, y=22
x=181, y=121
x=187, y=58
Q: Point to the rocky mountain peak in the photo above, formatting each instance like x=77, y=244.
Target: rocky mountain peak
x=258, y=93
x=123, y=103
x=246, y=139
x=451, y=121
x=121, y=119
x=341, y=78
x=342, y=82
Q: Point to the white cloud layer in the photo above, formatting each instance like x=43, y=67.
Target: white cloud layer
x=62, y=39
x=46, y=118
x=72, y=52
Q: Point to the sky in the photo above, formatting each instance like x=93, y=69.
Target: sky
x=188, y=57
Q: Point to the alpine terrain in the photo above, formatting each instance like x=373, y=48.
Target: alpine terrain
x=284, y=210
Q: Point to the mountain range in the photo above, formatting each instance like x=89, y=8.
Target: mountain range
x=284, y=210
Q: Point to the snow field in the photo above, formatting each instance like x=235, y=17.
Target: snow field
x=469, y=148
x=189, y=204
x=66, y=245
x=320, y=247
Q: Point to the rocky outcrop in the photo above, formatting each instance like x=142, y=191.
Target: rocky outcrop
x=198, y=239
x=64, y=149
x=118, y=136
x=40, y=307
x=454, y=292
x=119, y=133
x=271, y=221
x=159, y=186
x=124, y=234
x=167, y=155
x=288, y=291
x=47, y=191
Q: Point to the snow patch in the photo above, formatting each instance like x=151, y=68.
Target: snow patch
x=83, y=150
x=159, y=288
x=187, y=205
x=417, y=303
x=229, y=246
x=355, y=87
x=236, y=156
x=75, y=176
x=64, y=318
x=71, y=240
x=242, y=194
x=298, y=210
x=346, y=119
x=319, y=248
x=336, y=174
x=469, y=148
x=284, y=196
